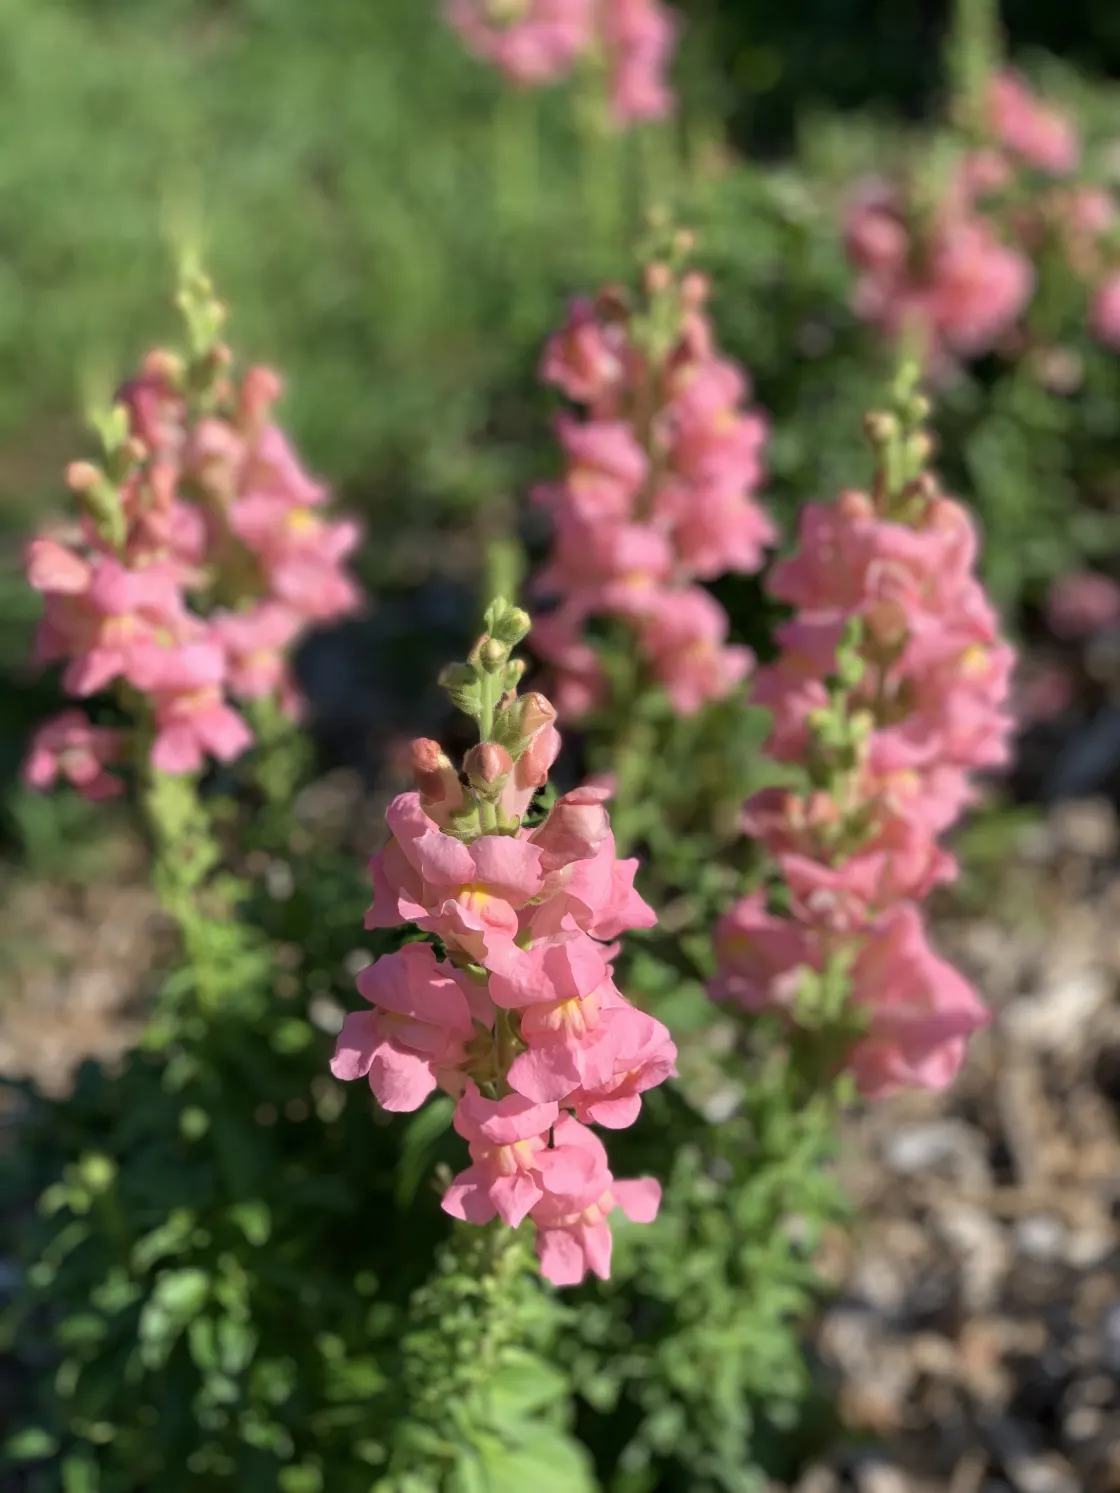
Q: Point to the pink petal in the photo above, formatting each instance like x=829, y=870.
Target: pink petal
x=561, y=1257
x=639, y=1199
x=356, y=1045
x=469, y=1197
x=401, y=1080
x=513, y=1197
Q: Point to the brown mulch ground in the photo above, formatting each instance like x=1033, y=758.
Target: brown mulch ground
x=976, y=1331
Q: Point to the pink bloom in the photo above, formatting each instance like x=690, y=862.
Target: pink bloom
x=576, y=828
x=70, y=747
x=683, y=635
x=566, y=999
x=920, y=1010
x=645, y=1056
x=639, y=37
x=513, y=1165
x=530, y=41
x=301, y=553
x=761, y=956
x=1104, y=315
x=1038, y=134
x=586, y=358
x=606, y=468
x=415, y=1038
x=468, y=894
x=256, y=644
x=573, y=1235
x=191, y=717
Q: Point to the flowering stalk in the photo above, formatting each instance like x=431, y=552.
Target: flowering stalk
x=657, y=493
x=624, y=46
x=978, y=256
x=891, y=688
x=520, y=1020
x=198, y=560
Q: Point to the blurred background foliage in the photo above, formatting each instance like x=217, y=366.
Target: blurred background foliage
x=397, y=232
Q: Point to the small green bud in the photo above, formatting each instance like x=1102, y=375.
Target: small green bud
x=511, y=626
x=880, y=428
x=515, y=672
x=493, y=655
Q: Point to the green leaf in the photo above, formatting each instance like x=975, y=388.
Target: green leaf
x=254, y=1220
x=30, y=1445
x=549, y=1463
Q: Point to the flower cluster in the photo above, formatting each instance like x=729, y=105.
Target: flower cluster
x=521, y=1020
x=540, y=41
x=891, y=687
x=201, y=555
x=955, y=263
x=657, y=493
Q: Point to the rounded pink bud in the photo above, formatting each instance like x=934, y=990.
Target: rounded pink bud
x=488, y=765
x=575, y=830
x=535, y=712
x=441, y=792
x=83, y=476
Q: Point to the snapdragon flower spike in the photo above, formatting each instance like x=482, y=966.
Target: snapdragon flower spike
x=955, y=262
x=200, y=499
x=892, y=688
x=657, y=493
x=521, y=1020
x=535, y=42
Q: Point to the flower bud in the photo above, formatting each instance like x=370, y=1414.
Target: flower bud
x=880, y=428
x=492, y=655
x=510, y=626
x=532, y=713
x=658, y=278
x=575, y=829
x=488, y=767
x=441, y=792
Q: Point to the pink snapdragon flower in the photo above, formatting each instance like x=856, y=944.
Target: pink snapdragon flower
x=468, y=894
x=658, y=492
x=573, y=1236
x=415, y=1039
x=70, y=747
x=920, y=1011
x=1038, y=134
x=638, y=38
x=533, y=42
x=529, y=41
x=958, y=286
x=192, y=718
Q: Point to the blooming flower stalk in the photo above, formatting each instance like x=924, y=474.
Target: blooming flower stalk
x=891, y=687
x=512, y=1007
x=955, y=262
x=657, y=495
x=200, y=557
x=630, y=43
